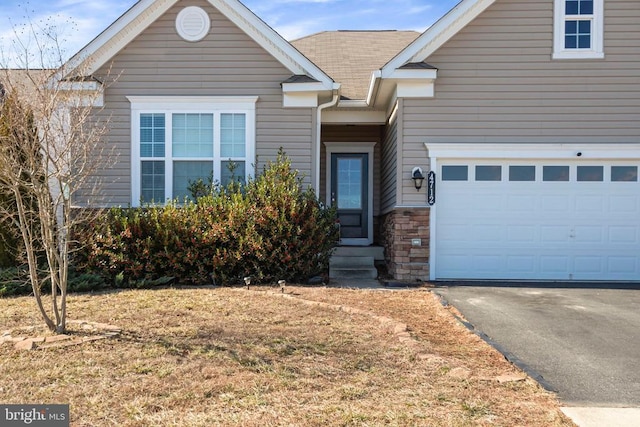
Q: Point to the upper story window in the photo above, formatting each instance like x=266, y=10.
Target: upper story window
x=578, y=29
x=178, y=140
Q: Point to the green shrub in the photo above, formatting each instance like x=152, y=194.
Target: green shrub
x=270, y=229
x=85, y=282
x=9, y=241
x=14, y=281
x=8, y=249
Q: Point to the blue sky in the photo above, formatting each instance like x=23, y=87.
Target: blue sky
x=77, y=22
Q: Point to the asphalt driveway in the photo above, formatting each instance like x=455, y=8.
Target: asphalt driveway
x=583, y=341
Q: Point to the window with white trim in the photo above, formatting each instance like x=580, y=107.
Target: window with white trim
x=178, y=140
x=578, y=29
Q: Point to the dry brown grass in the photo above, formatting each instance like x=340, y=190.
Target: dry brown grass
x=207, y=357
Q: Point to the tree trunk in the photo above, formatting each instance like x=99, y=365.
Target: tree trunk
x=32, y=259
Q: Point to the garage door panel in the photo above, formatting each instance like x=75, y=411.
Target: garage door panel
x=520, y=203
x=588, y=265
x=589, y=234
x=555, y=264
x=623, y=235
x=555, y=233
x=622, y=265
x=456, y=264
x=590, y=204
x=628, y=204
x=546, y=230
x=454, y=233
x=488, y=263
x=521, y=233
x=487, y=233
x=487, y=202
x=555, y=203
x=522, y=264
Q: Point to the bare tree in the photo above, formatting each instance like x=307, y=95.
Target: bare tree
x=50, y=150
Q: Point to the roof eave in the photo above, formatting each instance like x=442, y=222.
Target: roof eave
x=126, y=28
x=438, y=34
x=422, y=47
x=413, y=82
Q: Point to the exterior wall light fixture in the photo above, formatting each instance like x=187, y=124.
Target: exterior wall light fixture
x=418, y=178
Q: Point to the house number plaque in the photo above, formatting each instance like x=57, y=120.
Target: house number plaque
x=431, y=193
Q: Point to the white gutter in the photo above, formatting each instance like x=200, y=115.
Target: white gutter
x=375, y=76
x=333, y=102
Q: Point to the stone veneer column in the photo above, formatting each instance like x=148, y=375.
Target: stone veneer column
x=406, y=262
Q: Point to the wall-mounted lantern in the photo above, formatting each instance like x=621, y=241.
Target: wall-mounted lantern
x=418, y=177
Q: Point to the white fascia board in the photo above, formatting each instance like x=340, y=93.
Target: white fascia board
x=195, y=103
x=402, y=74
x=351, y=117
x=80, y=94
x=80, y=86
x=303, y=95
x=80, y=100
x=415, y=89
x=353, y=103
x=303, y=87
x=438, y=34
x=300, y=100
x=532, y=151
x=392, y=112
x=410, y=83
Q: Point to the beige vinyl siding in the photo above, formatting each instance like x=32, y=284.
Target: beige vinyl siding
x=497, y=83
x=346, y=134
x=226, y=63
x=389, y=168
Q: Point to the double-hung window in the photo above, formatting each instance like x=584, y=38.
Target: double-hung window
x=579, y=29
x=178, y=140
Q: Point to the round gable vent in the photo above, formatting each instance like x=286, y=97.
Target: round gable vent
x=193, y=23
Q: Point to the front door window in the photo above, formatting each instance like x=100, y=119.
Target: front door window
x=350, y=193
x=350, y=183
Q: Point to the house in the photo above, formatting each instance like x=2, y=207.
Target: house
x=523, y=116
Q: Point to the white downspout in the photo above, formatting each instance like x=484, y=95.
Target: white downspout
x=333, y=102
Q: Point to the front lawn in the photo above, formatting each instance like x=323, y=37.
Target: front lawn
x=313, y=357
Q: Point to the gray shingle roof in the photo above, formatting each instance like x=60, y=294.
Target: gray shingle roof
x=350, y=57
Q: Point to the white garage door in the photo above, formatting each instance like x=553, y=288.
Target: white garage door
x=550, y=220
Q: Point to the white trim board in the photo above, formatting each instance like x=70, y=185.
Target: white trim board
x=532, y=151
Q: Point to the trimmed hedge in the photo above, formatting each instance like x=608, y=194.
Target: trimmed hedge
x=270, y=229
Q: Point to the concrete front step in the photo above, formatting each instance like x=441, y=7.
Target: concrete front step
x=352, y=264
x=353, y=273
x=351, y=261
x=377, y=252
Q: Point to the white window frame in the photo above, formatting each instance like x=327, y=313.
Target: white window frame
x=597, y=32
x=169, y=105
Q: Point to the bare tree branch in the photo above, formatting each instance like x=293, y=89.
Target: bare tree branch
x=51, y=145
